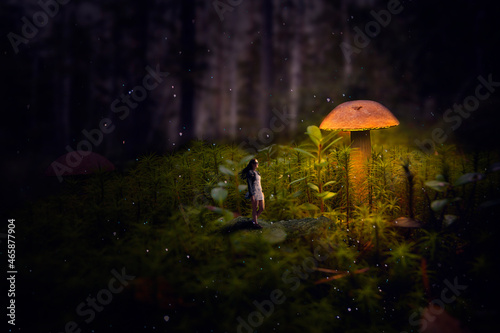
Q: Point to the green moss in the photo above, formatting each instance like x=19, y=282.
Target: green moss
x=203, y=268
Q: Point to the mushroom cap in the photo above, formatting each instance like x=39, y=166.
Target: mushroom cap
x=406, y=222
x=361, y=115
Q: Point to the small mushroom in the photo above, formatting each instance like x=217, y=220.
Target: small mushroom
x=407, y=222
x=79, y=163
x=436, y=319
x=405, y=225
x=359, y=118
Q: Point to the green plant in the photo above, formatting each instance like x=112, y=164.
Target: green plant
x=318, y=151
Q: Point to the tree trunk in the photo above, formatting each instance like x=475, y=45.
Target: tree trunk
x=206, y=94
x=296, y=65
x=64, y=82
x=266, y=65
x=232, y=121
x=186, y=122
x=346, y=38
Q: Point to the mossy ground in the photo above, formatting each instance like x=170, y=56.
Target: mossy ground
x=341, y=266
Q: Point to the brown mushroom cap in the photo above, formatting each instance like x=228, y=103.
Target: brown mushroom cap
x=407, y=222
x=359, y=115
x=89, y=163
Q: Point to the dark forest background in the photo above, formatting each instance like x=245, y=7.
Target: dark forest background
x=229, y=70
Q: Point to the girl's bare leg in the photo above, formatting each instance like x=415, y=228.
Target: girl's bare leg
x=254, y=210
x=261, y=208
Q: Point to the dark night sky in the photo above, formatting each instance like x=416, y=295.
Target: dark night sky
x=226, y=75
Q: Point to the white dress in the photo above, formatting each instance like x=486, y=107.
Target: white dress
x=259, y=195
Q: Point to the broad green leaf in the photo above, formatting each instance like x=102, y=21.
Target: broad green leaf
x=309, y=206
x=329, y=195
x=332, y=143
x=468, y=178
x=438, y=205
x=228, y=215
x=437, y=185
x=326, y=195
x=298, y=180
x=315, y=134
x=242, y=187
x=221, y=184
x=304, y=152
x=313, y=186
x=315, y=141
x=226, y=171
x=449, y=219
x=321, y=165
x=329, y=183
x=219, y=194
x=440, y=178
x=269, y=149
x=315, y=131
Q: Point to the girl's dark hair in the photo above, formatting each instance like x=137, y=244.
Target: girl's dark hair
x=243, y=173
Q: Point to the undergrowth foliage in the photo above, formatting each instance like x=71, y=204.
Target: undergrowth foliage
x=162, y=220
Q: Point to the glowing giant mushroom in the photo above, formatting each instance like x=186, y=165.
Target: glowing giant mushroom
x=359, y=118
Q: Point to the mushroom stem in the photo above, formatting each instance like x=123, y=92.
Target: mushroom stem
x=361, y=140
x=361, y=143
